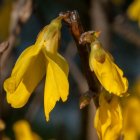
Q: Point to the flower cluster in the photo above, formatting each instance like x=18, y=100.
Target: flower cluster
x=108, y=118
x=43, y=58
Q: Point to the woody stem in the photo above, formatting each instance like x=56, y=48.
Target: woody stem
x=72, y=19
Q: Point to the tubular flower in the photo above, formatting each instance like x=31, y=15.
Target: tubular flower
x=101, y=62
x=108, y=119
x=107, y=72
x=32, y=65
x=23, y=131
x=133, y=11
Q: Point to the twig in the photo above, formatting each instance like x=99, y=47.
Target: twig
x=76, y=28
x=3, y=47
x=91, y=132
x=126, y=31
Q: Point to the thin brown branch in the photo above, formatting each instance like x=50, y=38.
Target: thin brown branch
x=3, y=47
x=91, y=131
x=76, y=28
x=126, y=31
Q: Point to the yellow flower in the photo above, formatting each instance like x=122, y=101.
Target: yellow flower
x=107, y=72
x=108, y=118
x=32, y=65
x=131, y=118
x=133, y=11
x=23, y=131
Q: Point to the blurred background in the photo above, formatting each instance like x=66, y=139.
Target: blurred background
x=120, y=34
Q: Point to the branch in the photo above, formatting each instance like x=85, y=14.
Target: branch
x=3, y=47
x=126, y=31
x=72, y=19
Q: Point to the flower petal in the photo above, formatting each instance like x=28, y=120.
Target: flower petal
x=109, y=75
x=27, y=73
x=108, y=119
x=49, y=37
x=56, y=85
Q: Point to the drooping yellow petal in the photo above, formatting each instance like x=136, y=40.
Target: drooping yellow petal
x=108, y=119
x=101, y=62
x=107, y=72
x=102, y=121
x=30, y=67
x=23, y=131
x=114, y=131
x=56, y=85
x=27, y=73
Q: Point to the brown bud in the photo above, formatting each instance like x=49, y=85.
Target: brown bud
x=85, y=99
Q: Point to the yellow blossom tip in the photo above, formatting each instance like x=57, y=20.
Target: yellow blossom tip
x=57, y=22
